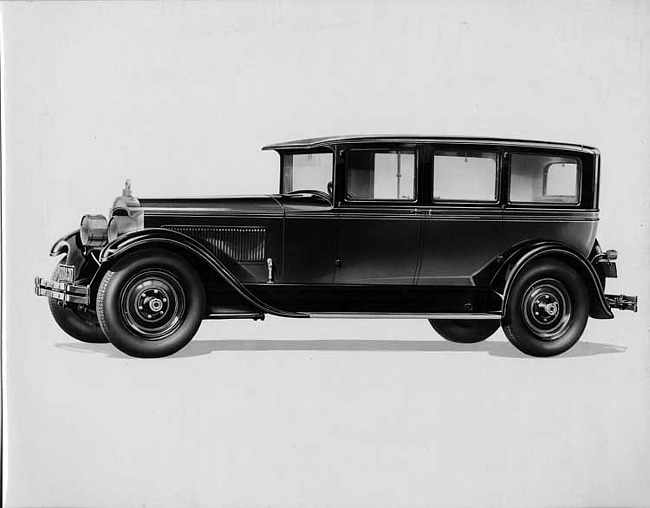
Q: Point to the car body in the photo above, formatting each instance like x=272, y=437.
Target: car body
x=469, y=233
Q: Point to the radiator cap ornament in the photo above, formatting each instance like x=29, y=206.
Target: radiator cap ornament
x=127, y=199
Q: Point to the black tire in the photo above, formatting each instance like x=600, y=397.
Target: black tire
x=547, y=309
x=79, y=324
x=151, y=303
x=465, y=331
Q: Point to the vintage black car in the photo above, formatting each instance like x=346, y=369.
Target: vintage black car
x=469, y=233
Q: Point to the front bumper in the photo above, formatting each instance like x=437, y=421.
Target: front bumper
x=62, y=291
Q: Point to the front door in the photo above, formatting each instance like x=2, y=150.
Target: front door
x=378, y=220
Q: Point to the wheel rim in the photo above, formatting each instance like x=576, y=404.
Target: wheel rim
x=153, y=304
x=547, y=309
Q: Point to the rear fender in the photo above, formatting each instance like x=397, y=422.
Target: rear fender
x=185, y=246
x=515, y=263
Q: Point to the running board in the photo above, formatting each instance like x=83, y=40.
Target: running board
x=236, y=315
x=385, y=315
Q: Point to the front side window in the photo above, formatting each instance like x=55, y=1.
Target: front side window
x=307, y=171
x=544, y=179
x=386, y=175
x=464, y=176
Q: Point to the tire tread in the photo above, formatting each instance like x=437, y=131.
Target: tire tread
x=101, y=295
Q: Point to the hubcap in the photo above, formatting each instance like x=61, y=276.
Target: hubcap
x=547, y=309
x=153, y=304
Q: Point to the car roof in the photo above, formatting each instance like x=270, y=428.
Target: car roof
x=325, y=141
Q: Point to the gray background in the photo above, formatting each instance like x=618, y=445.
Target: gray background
x=293, y=413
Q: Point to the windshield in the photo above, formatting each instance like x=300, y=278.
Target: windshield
x=307, y=172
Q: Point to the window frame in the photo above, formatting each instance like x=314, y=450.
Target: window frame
x=459, y=148
x=545, y=204
x=545, y=183
x=319, y=150
x=382, y=149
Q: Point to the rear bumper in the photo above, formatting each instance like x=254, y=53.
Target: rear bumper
x=62, y=291
x=622, y=302
x=605, y=266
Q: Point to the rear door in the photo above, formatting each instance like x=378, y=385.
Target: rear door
x=378, y=217
x=462, y=215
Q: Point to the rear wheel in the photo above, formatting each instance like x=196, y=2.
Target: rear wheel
x=79, y=324
x=151, y=303
x=465, y=331
x=547, y=309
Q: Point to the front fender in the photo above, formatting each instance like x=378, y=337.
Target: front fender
x=525, y=255
x=75, y=255
x=167, y=238
x=66, y=243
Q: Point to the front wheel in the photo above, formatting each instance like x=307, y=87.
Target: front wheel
x=547, y=309
x=151, y=303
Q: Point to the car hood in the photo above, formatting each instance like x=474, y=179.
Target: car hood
x=233, y=205
x=220, y=205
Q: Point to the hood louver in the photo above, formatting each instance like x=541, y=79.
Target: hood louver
x=241, y=244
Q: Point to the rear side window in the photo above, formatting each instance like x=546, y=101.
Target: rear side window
x=464, y=176
x=544, y=179
x=385, y=175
